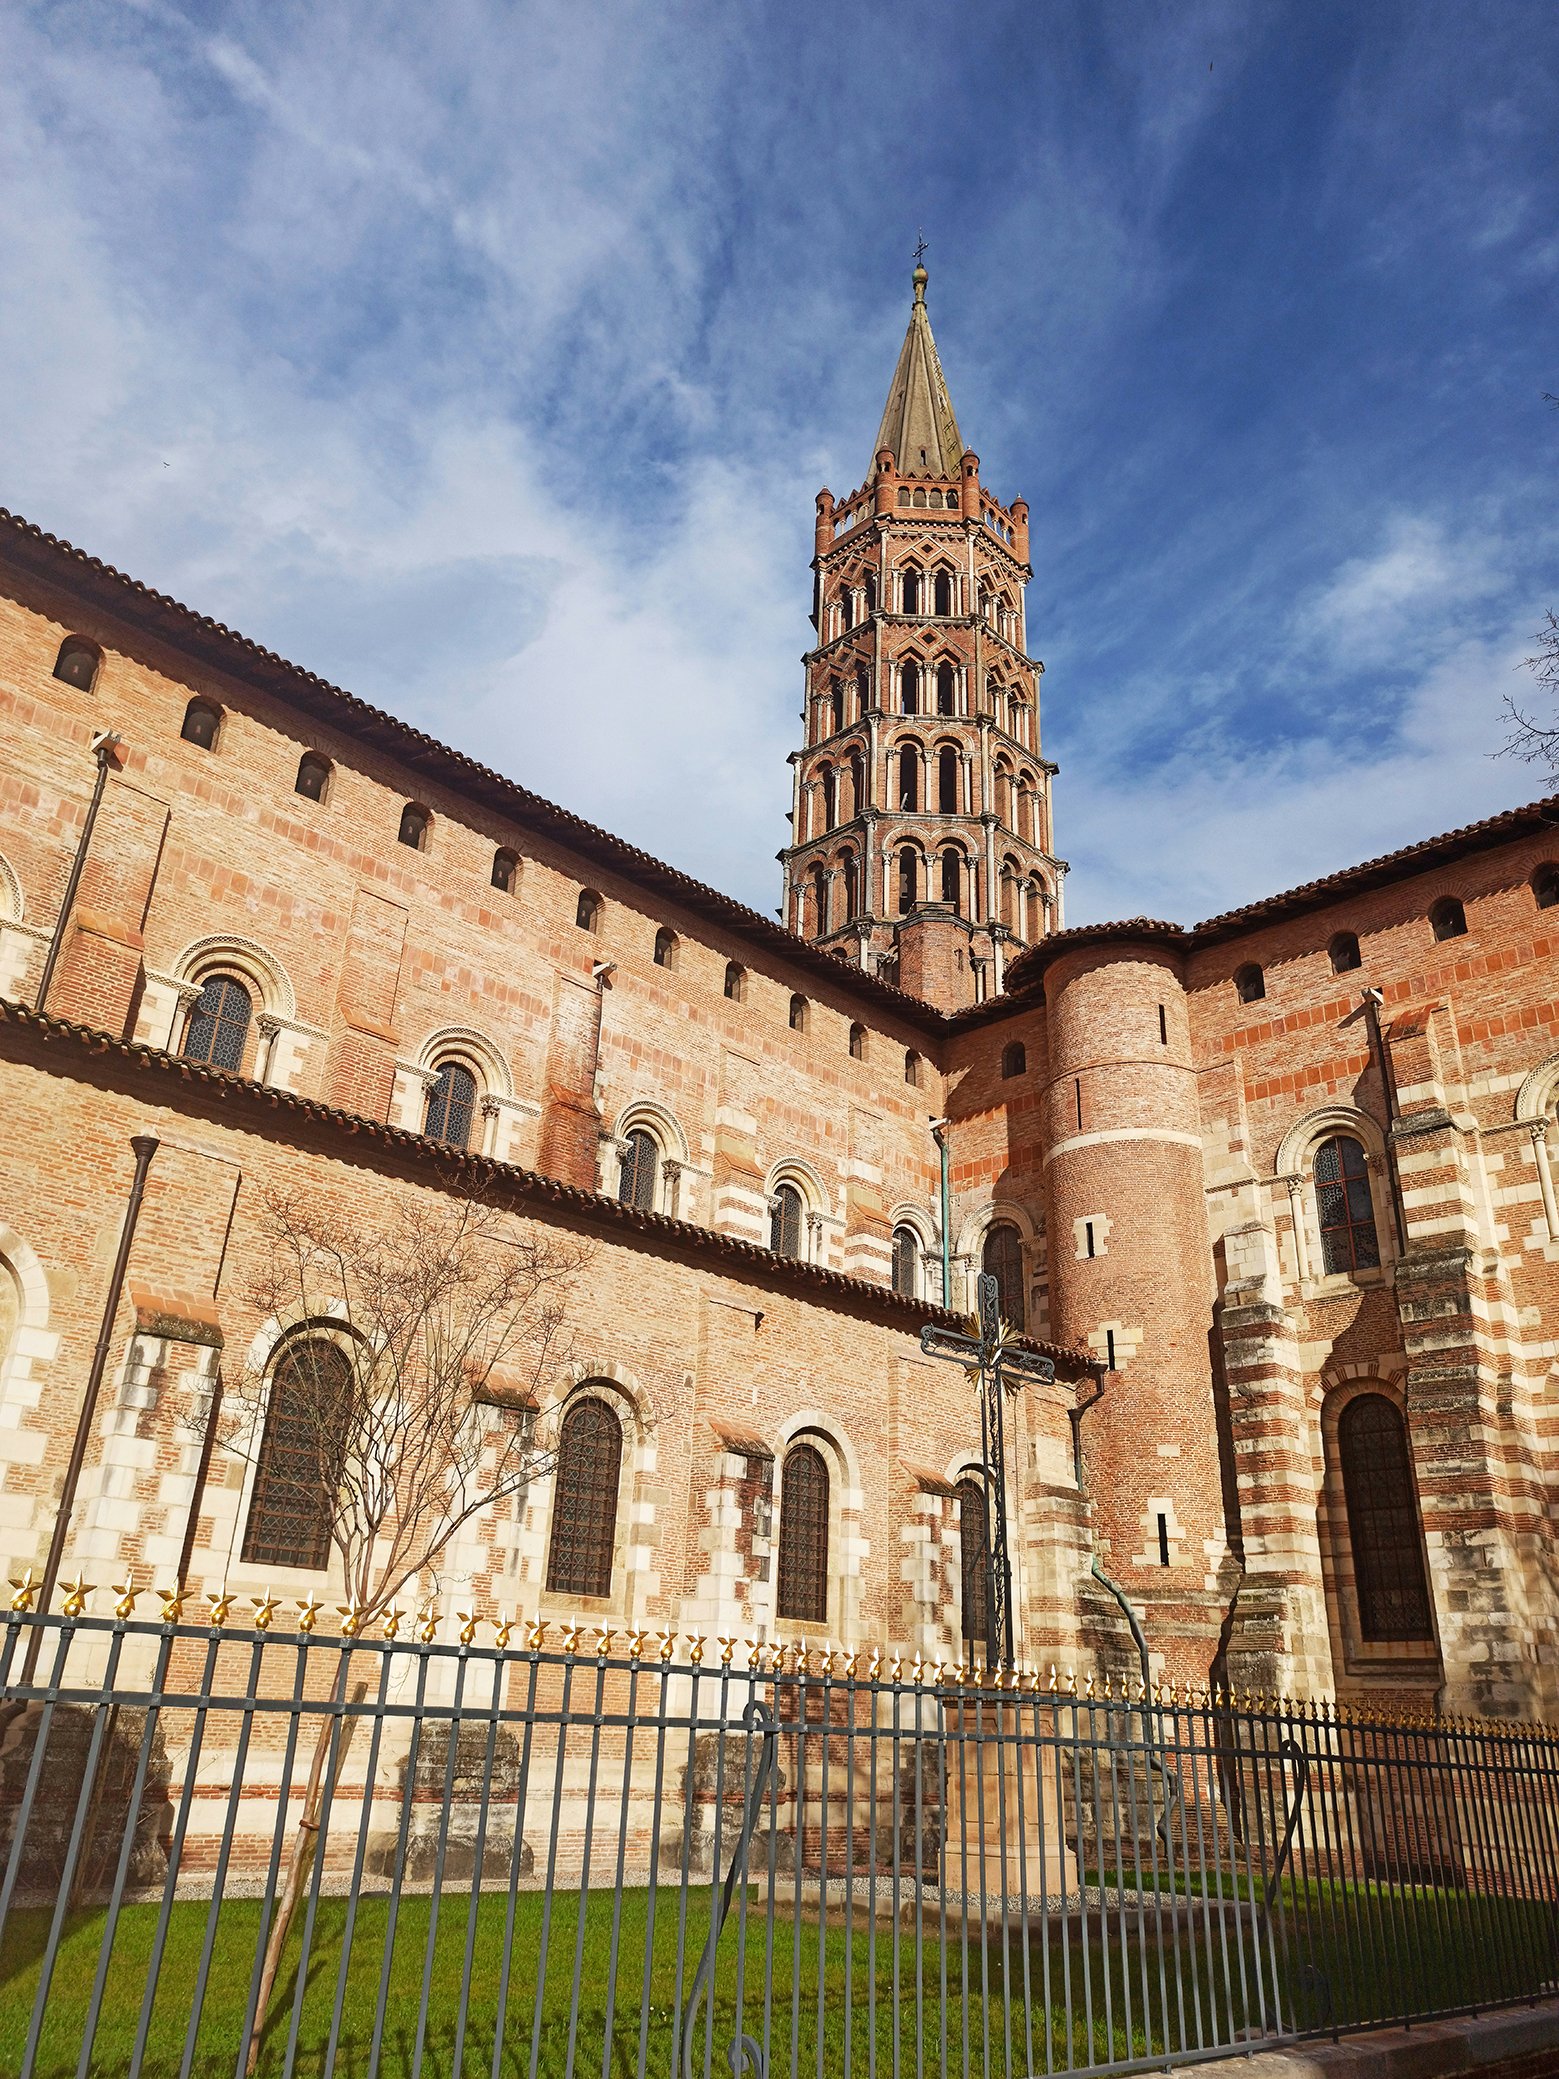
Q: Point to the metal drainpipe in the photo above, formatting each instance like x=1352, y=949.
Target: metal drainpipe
x=939, y=1135
x=202, y=1474
x=1134, y=1623
x=145, y=1146
x=105, y=746
x=1372, y=1003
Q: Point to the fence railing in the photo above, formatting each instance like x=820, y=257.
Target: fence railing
x=457, y=1858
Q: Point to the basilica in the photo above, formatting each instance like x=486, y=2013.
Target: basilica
x=1273, y=1193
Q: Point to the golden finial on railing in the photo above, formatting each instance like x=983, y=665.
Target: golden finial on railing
x=776, y=1652
x=26, y=1589
x=571, y=1637
x=503, y=1630
x=896, y=1667
x=851, y=1662
x=695, y=1648
x=264, y=1608
x=352, y=1615
x=917, y=1669
x=1109, y=1687
x=1142, y=1691
x=826, y=1662
x=636, y=1643
x=220, y=1605
x=427, y=1623
x=604, y=1635
x=536, y=1629
x=754, y=1651
x=727, y=1644
x=173, y=1600
x=803, y=1653
x=308, y=1613
x=874, y=1664
x=468, y=1624
x=390, y=1622
x=938, y=1674
x=76, y=1595
x=666, y=1645
x=1088, y=1695
x=127, y=1592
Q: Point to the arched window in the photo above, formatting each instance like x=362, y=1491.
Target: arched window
x=1250, y=984
x=952, y=876
x=506, y=869
x=836, y=703
x=946, y=690
x=947, y=780
x=298, y=1472
x=1002, y=1259
x=1014, y=1060
x=665, y=947
x=829, y=789
x=1388, y=1553
x=1545, y=886
x=218, y=1030
x=857, y=770
x=918, y=496
x=906, y=1261
x=587, y=912
x=414, y=826
x=942, y=594
x=1344, y=1207
x=798, y=1014
x=974, y=1547
x=640, y=1168
x=909, y=777
x=907, y=877
x=785, y=1222
x=863, y=691
x=911, y=591
x=735, y=981
x=871, y=591
x=451, y=1106
x=851, y=879
x=1448, y=918
x=820, y=902
x=909, y=688
x=803, y=1537
x=912, y=1069
x=201, y=722
x=857, y=1042
x=846, y=607
x=77, y=663
x=1344, y=952
x=313, y=776
x=584, y=1501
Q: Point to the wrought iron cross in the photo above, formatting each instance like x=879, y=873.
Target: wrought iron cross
x=921, y=250
x=990, y=1356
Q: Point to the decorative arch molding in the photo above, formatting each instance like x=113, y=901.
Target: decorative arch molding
x=623, y=1388
x=250, y=959
x=1539, y=1092
x=795, y=1170
x=32, y=1281
x=1312, y=1127
x=12, y=904
x=1382, y=1373
x=276, y=1329
x=812, y=1426
x=646, y=1115
x=906, y=1215
x=1008, y=1212
x=475, y=1049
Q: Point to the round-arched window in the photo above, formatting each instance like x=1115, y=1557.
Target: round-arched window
x=906, y=1261
x=974, y=1550
x=451, y=1106
x=218, y=1030
x=1383, y=1532
x=803, y=1537
x=785, y=1221
x=77, y=662
x=584, y=1503
x=640, y=1171
x=1344, y=1206
x=1002, y=1259
x=298, y=1471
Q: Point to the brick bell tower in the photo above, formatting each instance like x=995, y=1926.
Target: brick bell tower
x=920, y=833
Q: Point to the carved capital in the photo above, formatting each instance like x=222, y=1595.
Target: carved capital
x=1539, y=1130
x=266, y=1023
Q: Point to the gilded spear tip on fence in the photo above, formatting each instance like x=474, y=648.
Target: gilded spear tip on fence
x=874, y=1665
x=695, y=1649
x=727, y=1644
x=26, y=1589
x=754, y=1652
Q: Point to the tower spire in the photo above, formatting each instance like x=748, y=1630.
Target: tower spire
x=918, y=422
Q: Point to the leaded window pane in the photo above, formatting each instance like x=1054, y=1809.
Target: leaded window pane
x=1002, y=1257
x=906, y=1248
x=803, y=1538
x=298, y=1472
x=451, y=1106
x=219, y=1025
x=974, y=1543
x=636, y=1185
x=584, y=1509
x=785, y=1222
x=1388, y=1553
x=1344, y=1207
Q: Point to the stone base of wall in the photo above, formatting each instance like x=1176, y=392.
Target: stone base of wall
x=1519, y=2043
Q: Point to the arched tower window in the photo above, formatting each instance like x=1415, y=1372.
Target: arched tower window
x=947, y=780
x=910, y=590
x=952, y=877
x=665, y=947
x=909, y=687
x=1002, y=1259
x=973, y=1547
x=639, y=1172
x=857, y=769
x=735, y=981
x=1545, y=886
x=1250, y=984
x=850, y=876
x=1448, y=918
x=313, y=776
x=506, y=870
x=820, y=905
x=906, y=1261
x=829, y=790
x=1343, y=1205
x=218, y=1030
x=785, y=1222
x=907, y=892
x=942, y=594
x=1383, y=1531
x=299, y=1467
x=846, y=607
x=201, y=722
x=857, y=1042
x=946, y=690
x=451, y=1106
x=413, y=829
x=803, y=1537
x=871, y=591
x=912, y=1069
x=836, y=703
x=798, y=1014
x=909, y=777
x=587, y=911
x=1344, y=952
x=1014, y=1060
x=584, y=1503
x=76, y=665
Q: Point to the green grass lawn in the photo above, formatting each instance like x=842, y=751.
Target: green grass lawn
x=868, y=2002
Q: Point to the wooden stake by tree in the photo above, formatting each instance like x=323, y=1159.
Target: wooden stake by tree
x=412, y=1350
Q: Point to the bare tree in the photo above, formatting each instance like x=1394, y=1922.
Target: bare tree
x=414, y=1349
x=1535, y=738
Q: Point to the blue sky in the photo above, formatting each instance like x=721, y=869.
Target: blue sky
x=488, y=358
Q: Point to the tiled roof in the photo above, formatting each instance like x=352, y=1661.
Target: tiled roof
x=459, y=1168
x=60, y=563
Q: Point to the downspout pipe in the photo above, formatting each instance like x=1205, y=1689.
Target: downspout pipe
x=145, y=1146
x=939, y=1135
x=1133, y=1622
x=105, y=749
x=1372, y=1007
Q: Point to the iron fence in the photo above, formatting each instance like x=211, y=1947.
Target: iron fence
x=512, y=1860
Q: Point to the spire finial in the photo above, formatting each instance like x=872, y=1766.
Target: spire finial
x=920, y=277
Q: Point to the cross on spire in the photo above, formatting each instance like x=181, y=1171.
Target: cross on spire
x=921, y=250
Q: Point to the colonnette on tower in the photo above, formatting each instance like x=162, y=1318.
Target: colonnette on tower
x=1275, y=1192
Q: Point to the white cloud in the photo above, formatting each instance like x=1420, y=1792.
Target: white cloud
x=1395, y=603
